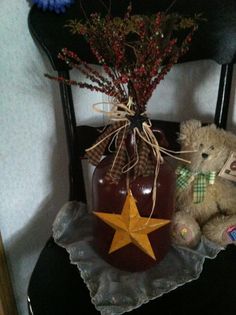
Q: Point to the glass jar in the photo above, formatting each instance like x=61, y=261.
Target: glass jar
x=110, y=198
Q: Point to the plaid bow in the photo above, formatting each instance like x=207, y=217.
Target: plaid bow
x=201, y=181
x=145, y=165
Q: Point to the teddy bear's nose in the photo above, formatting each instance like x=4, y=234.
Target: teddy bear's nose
x=204, y=155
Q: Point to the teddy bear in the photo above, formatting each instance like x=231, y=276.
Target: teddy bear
x=205, y=202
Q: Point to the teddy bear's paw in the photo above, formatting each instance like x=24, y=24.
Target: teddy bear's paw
x=221, y=230
x=182, y=235
x=185, y=230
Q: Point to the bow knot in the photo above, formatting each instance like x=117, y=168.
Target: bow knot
x=201, y=181
x=137, y=120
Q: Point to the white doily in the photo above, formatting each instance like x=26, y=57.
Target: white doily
x=114, y=291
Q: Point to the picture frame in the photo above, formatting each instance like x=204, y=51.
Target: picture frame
x=7, y=298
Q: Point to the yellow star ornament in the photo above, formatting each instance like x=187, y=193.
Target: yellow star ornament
x=131, y=227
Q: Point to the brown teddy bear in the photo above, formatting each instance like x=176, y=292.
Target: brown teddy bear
x=205, y=202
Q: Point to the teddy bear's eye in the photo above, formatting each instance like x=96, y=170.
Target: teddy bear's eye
x=212, y=147
x=201, y=145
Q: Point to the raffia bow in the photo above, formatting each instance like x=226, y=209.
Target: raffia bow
x=201, y=181
x=145, y=157
x=147, y=152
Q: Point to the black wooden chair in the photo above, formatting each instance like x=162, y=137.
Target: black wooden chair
x=55, y=287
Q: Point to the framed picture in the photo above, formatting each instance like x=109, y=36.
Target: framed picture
x=7, y=299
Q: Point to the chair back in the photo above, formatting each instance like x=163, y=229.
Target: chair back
x=215, y=39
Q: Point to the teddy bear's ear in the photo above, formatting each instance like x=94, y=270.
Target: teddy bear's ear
x=213, y=126
x=187, y=128
x=230, y=141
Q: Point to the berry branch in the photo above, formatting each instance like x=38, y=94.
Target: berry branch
x=135, y=52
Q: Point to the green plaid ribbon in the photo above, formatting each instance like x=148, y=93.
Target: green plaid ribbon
x=201, y=181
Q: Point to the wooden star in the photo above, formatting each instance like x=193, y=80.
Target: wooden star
x=131, y=227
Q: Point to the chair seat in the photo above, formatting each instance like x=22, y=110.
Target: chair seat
x=56, y=288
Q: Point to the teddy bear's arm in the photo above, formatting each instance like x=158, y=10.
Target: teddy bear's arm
x=225, y=194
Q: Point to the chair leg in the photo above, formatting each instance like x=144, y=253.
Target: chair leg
x=77, y=191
